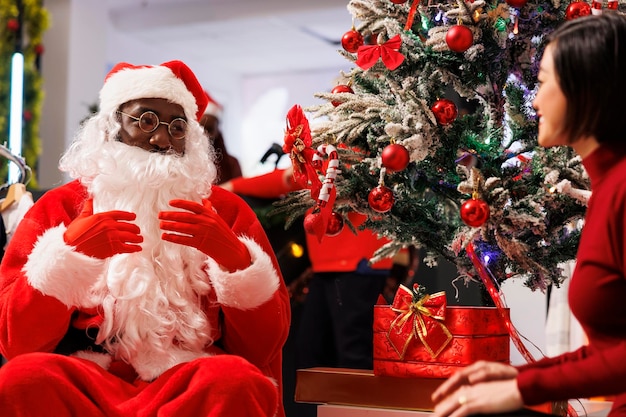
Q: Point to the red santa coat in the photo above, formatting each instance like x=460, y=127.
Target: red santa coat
x=41, y=281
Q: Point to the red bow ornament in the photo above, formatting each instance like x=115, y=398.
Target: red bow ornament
x=419, y=319
x=297, y=143
x=368, y=55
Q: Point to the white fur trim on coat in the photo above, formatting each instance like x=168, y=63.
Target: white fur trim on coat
x=247, y=288
x=149, y=364
x=58, y=270
x=101, y=359
x=146, y=82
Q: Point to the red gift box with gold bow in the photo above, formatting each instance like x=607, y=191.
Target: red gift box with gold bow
x=420, y=336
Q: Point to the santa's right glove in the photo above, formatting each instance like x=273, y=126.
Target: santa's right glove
x=105, y=234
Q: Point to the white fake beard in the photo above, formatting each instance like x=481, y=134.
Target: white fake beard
x=152, y=299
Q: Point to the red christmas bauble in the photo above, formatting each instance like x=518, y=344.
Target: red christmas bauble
x=445, y=111
x=381, y=199
x=395, y=157
x=27, y=115
x=475, y=212
x=398, y=1
x=39, y=49
x=516, y=3
x=312, y=222
x=352, y=40
x=335, y=224
x=459, y=38
x=577, y=9
x=341, y=88
x=13, y=25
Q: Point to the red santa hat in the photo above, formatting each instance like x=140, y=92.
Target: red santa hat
x=173, y=81
x=213, y=108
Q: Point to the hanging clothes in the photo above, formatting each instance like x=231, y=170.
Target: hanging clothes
x=13, y=214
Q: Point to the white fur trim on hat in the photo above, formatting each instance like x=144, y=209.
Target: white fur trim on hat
x=137, y=82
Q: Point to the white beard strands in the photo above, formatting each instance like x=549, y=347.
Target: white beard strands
x=151, y=299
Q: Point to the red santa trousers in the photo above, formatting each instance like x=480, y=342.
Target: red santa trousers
x=44, y=384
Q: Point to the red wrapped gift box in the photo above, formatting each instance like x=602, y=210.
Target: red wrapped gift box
x=425, y=338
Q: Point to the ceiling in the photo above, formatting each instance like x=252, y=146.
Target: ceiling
x=245, y=36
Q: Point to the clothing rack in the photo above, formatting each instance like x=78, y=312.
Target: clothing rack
x=25, y=171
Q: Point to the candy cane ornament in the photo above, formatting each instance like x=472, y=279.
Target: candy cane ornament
x=317, y=221
x=331, y=171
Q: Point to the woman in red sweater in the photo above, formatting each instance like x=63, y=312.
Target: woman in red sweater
x=582, y=81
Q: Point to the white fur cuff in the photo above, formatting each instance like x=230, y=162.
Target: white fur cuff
x=247, y=288
x=58, y=270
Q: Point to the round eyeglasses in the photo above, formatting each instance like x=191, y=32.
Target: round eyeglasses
x=149, y=122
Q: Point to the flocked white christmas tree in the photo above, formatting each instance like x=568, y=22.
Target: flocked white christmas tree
x=436, y=135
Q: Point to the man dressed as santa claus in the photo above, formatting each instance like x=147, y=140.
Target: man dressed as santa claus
x=138, y=289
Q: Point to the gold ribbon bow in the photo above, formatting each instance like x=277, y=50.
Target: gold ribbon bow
x=422, y=319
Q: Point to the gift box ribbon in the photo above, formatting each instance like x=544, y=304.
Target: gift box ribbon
x=421, y=319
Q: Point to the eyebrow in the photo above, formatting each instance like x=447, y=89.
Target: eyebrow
x=144, y=109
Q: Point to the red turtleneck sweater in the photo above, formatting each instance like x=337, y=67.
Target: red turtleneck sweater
x=597, y=297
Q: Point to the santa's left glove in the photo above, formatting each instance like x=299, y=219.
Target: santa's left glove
x=202, y=228
x=105, y=234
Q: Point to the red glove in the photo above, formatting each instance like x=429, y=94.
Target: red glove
x=206, y=231
x=104, y=234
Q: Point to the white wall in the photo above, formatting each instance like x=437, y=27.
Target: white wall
x=73, y=69
x=265, y=102
x=528, y=315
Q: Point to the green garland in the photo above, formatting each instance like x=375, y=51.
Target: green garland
x=34, y=21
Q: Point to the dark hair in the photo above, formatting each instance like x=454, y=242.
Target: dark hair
x=590, y=62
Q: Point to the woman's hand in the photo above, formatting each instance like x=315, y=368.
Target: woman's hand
x=497, y=396
x=482, y=387
x=480, y=371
